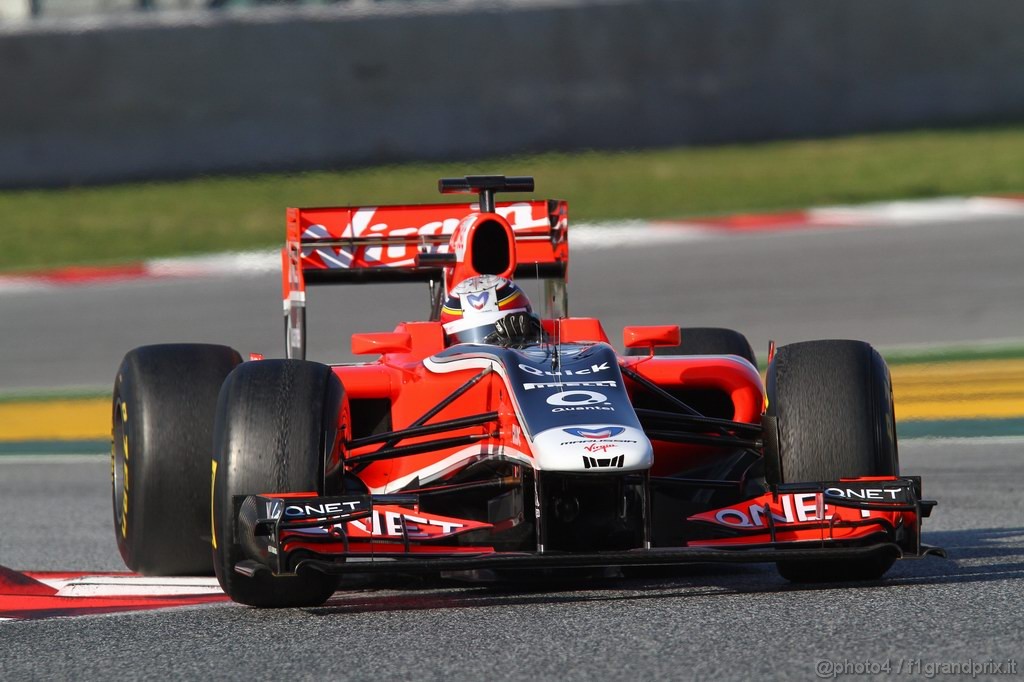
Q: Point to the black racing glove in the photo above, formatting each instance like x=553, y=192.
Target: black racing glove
x=516, y=329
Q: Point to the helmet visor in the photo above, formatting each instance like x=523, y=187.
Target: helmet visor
x=475, y=328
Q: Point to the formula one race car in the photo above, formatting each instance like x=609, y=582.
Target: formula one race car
x=489, y=438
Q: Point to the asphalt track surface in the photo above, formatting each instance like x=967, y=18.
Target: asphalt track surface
x=942, y=283
x=914, y=284
x=700, y=622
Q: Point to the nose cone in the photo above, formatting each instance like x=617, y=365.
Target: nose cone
x=592, y=449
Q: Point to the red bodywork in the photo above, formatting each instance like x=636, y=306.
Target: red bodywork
x=443, y=244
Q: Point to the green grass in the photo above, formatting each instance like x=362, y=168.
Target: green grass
x=46, y=228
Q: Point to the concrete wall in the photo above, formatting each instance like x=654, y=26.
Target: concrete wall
x=14, y=10
x=274, y=90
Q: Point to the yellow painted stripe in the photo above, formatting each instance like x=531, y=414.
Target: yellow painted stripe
x=978, y=389
x=972, y=409
x=76, y=419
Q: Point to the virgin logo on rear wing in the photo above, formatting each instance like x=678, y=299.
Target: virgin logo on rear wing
x=382, y=243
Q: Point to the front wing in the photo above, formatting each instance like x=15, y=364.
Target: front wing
x=840, y=520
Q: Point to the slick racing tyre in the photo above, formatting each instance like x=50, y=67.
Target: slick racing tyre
x=276, y=423
x=705, y=341
x=829, y=416
x=165, y=398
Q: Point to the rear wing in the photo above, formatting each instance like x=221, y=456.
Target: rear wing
x=372, y=244
x=381, y=244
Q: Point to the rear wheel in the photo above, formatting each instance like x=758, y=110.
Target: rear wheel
x=165, y=397
x=831, y=411
x=276, y=425
x=705, y=341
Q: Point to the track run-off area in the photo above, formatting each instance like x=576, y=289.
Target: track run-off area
x=940, y=293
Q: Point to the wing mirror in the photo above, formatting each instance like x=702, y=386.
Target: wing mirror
x=650, y=336
x=381, y=343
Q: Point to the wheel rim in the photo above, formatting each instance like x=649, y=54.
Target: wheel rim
x=119, y=468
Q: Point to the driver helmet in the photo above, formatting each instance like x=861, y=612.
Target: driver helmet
x=475, y=304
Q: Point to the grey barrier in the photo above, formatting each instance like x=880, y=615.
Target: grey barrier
x=205, y=92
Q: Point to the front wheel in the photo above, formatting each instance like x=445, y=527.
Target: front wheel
x=165, y=397
x=276, y=426
x=830, y=410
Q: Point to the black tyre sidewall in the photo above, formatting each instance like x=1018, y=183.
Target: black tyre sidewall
x=276, y=420
x=830, y=405
x=168, y=394
x=831, y=402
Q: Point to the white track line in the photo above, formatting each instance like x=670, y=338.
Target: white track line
x=131, y=586
x=945, y=209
